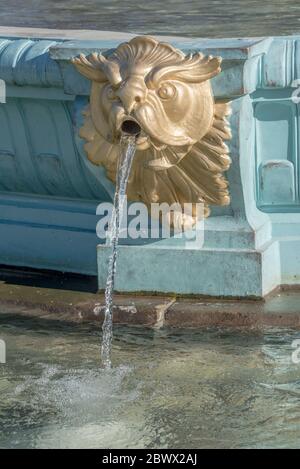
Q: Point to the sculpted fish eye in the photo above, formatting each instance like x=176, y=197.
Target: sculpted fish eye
x=166, y=91
x=111, y=92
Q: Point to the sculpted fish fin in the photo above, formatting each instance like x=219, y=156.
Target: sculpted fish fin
x=97, y=68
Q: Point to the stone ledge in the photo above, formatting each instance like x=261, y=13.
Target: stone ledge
x=282, y=309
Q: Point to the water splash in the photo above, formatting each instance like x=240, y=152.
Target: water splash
x=127, y=151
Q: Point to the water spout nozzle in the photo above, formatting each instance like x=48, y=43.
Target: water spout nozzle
x=131, y=127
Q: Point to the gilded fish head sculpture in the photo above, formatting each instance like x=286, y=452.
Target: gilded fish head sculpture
x=166, y=98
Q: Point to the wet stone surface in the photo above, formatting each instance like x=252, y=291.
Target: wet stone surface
x=75, y=299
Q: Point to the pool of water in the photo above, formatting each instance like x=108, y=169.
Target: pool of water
x=194, y=18
x=167, y=388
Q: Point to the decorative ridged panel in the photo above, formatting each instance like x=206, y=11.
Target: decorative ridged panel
x=38, y=154
x=27, y=62
x=277, y=154
x=281, y=64
x=276, y=113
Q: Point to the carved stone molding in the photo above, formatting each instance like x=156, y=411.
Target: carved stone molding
x=181, y=155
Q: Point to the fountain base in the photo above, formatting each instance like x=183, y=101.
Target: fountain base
x=218, y=272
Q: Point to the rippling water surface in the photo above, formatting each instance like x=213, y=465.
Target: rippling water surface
x=167, y=389
x=194, y=18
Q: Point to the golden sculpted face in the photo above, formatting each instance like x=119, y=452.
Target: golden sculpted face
x=181, y=153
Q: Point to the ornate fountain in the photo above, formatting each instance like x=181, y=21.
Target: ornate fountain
x=149, y=85
x=68, y=97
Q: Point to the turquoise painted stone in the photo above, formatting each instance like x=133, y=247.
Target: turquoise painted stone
x=49, y=191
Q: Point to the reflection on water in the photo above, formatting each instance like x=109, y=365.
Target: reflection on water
x=168, y=388
x=194, y=18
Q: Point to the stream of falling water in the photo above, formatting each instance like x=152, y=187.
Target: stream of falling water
x=127, y=151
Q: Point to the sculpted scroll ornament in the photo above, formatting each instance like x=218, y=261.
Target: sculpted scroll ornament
x=181, y=154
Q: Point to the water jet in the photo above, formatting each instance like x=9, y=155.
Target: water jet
x=164, y=89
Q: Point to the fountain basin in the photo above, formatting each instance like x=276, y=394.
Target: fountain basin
x=225, y=388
